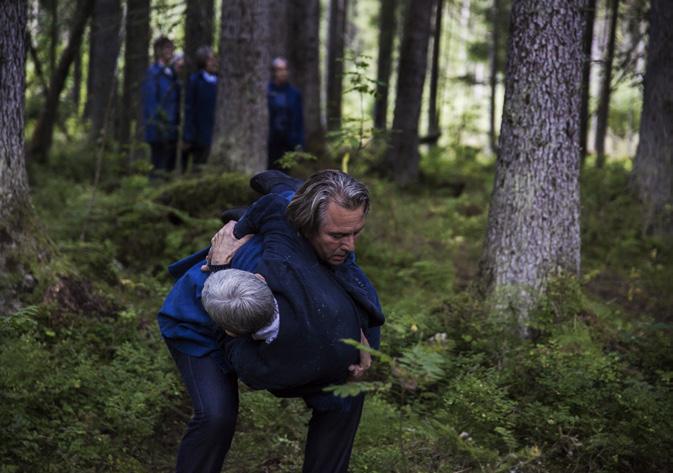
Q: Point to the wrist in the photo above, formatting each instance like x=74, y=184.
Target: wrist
x=217, y=267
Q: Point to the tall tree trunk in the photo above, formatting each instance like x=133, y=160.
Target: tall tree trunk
x=37, y=64
x=44, y=129
x=77, y=80
x=304, y=57
x=53, y=35
x=606, y=86
x=493, y=80
x=533, y=222
x=387, y=29
x=13, y=179
x=241, y=115
x=103, y=54
x=338, y=13
x=198, y=29
x=279, y=34
x=402, y=155
x=433, y=109
x=18, y=239
x=586, y=76
x=653, y=167
x=136, y=61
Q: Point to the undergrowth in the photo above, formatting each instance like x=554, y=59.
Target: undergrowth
x=87, y=385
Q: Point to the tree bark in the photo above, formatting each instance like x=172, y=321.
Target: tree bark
x=493, y=80
x=279, y=29
x=653, y=167
x=586, y=76
x=53, y=35
x=304, y=57
x=402, y=155
x=338, y=13
x=241, y=115
x=44, y=129
x=533, y=223
x=433, y=109
x=77, y=80
x=387, y=29
x=18, y=240
x=606, y=86
x=136, y=61
x=13, y=178
x=103, y=54
x=199, y=21
x=37, y=64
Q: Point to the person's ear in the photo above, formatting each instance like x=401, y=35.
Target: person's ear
x=260, y=277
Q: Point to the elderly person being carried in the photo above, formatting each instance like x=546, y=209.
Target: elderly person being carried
x=304, y=252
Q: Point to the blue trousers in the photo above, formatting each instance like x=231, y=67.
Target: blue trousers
x=213, y=389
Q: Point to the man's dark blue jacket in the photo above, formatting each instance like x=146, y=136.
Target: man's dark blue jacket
x=286, y=117
x=161, y=104
x=200, y=100
x=319, y=305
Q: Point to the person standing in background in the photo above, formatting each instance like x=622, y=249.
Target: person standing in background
x=200, y=109
x=161, y=107
x=286, y=118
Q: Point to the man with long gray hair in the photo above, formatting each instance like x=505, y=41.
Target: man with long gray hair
x=304, y=250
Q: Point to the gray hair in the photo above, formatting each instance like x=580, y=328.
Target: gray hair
x=238, y=301
x=278, y=61
x=202, y=55
x=307, y=208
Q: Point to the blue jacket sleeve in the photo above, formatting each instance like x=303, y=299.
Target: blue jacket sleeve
x=189, y=133
x=267, y=218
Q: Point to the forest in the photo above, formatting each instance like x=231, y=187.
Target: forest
x=519, y=160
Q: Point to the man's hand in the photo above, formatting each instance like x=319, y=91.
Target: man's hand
x=365, y=360
x=223, y=246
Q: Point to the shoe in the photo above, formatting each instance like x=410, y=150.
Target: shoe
x=273, y=181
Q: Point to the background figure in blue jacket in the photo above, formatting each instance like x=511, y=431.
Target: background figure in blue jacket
x=200, y=100
x=327, y=241
x=161, y=106
x=286, y=117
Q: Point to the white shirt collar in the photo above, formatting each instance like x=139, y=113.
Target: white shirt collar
x=270, y=332
x=210, y=78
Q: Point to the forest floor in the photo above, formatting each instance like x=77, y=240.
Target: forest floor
x=92, y=387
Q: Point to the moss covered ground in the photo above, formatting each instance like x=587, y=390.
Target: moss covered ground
x=88, y=386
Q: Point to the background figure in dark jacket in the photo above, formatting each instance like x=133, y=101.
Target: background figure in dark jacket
x=286, y=118
x=200, y=108
x=161, y=106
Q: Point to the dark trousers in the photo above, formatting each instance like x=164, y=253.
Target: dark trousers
x=213, y=389
x=277, y=147
x=214, y=393
x=163, y=155
x=329, y=442
x=198, y=154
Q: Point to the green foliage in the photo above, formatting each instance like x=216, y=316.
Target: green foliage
x=292, y=159
x=353, y=141
x=92, y=388
x=86, y=394
x=206, y=195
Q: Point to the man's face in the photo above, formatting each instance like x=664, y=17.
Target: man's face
x=211, y=64
x=166, y=54
x=280, y=73
x=338, y=233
